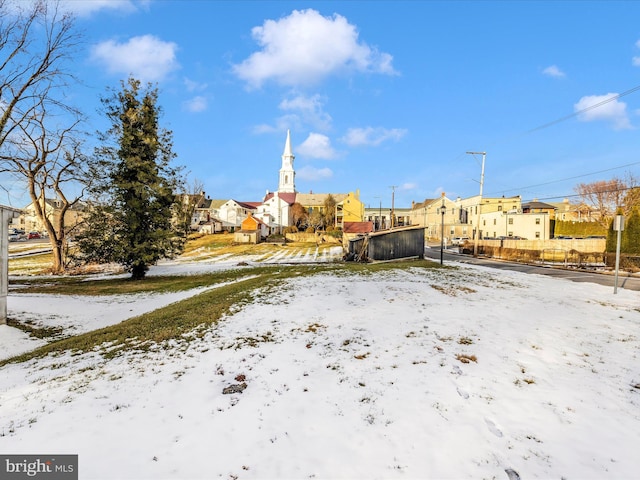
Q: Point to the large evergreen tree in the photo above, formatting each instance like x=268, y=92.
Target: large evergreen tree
x=132, y=223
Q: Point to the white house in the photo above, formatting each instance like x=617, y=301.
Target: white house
x=232, y=212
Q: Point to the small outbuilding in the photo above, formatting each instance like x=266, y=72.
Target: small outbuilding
x=253, y=230
x=388, y=245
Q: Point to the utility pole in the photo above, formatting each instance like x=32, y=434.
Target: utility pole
x=393, y=211
x=475, y=245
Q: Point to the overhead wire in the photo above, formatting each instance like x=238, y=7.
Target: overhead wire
x=567, y=117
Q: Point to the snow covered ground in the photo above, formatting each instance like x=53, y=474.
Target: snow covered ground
x=465, y=373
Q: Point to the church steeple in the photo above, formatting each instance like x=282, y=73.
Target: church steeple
x=287, y=173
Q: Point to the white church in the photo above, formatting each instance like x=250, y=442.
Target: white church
x=274, y=213
x=275, y=209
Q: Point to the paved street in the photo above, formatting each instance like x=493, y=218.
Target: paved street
x=625, y=280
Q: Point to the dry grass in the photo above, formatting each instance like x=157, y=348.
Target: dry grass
x=464, y=358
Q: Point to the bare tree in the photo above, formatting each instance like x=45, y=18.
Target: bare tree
x=50, y=161
x=184, y=209
x=603, y=196
x=329, y=211
x=38, y=138
x=35, y=43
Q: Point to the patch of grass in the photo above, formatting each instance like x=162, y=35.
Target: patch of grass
x=38, y=332
x=161, y=325
x=192, y=315
x=314, y=327
x=465, y=341
x=115, y=286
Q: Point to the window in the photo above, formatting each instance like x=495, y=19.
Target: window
x=494, y=221
x=511, y=221
x=537, y=221
x=499, y=208
x=537, y=234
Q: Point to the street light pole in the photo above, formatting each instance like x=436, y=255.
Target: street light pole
x=443, y=209
x=475, y=245
x=393, y=212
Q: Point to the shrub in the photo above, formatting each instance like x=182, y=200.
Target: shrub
x=310, y=230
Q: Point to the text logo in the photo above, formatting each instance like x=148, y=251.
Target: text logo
x=44, y=467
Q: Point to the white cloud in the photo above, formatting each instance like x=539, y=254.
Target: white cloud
x=408, y=186
x=306, y=47
x=193, y=86
x=371, y=136
x=85, y=8
x=309, y=109
x=311, y=173
x=317, y=146
x=553, y=71
x=147, y=58
x=635, y=61
x=196, y=104
x=603, y=107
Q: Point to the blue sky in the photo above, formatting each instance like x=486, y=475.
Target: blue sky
x=379, y=93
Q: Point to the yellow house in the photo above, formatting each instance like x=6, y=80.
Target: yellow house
x=350, y=209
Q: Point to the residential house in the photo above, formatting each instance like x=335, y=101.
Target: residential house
x=441, y=218
x=233, y=212
x=316, y=201
x=531, y=225
x=349, y=209
x=206, y=216
x=382, y=217
x=470, y=211
x=574, y=212
x=29, y=220
x=253, y=230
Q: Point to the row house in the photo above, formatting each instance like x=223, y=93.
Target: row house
x=384, y=218
x=493, y=217
x=28, y=220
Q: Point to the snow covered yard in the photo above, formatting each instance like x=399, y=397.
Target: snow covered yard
x=421, y=373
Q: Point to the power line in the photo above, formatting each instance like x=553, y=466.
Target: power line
x=586, y=109
x=615, y=190
x=562, y=119
x=569, y=178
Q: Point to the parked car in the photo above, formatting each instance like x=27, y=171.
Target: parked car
x=17, y=237
x=33, y=235
x=455, y=241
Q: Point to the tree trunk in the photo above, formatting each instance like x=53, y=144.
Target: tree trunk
x=138, y=271
x=57, y=257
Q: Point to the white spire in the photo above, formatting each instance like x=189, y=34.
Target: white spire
x=287, y=173
x=287, y=146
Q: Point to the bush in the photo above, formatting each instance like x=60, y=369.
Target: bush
x=291, y=229
x=310, y=230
